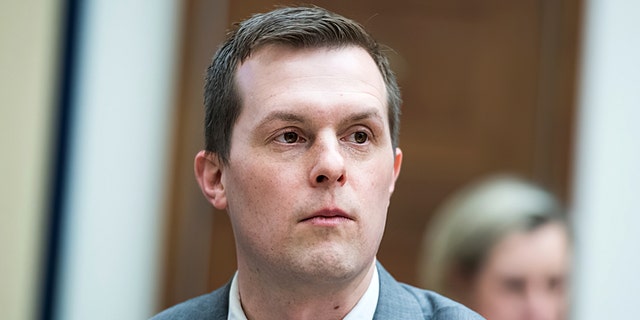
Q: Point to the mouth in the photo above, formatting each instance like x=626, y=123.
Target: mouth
x=327, y=217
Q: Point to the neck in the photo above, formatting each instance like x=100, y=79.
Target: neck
x=266, y=297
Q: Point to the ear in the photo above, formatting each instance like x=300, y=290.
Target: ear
x=208, y=170
x=397, y=163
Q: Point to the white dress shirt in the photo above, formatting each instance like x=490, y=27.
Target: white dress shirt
x=364, y=309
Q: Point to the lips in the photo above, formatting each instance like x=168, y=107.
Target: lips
x=327, y=215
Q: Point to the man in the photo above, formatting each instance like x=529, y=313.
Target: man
x=302, y=115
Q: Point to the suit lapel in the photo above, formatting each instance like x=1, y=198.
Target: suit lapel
x=394, y=302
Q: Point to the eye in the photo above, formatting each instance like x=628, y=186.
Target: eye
x=289, y=137
x=556, y=284
x=359, y=137
x=514, y=285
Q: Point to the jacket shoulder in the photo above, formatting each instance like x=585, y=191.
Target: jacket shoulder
x=214, y=305
x=402, y=301
x=437, y=307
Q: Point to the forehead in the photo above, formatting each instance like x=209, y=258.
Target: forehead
x=277, y=69
x=543, y=249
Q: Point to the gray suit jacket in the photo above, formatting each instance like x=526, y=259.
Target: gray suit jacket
x=396, y=301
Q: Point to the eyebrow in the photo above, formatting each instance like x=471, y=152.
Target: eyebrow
x=367, y=114
x=283, y=116
x=293, y=117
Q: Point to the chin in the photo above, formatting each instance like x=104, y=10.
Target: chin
x=329, y=268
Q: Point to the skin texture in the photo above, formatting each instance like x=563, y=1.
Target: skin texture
x=525, y=277
x=309, y=179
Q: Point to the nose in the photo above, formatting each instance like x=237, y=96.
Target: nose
x=541, y=306
x=328, y=163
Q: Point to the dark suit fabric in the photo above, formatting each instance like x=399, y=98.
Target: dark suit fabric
x=396, y=301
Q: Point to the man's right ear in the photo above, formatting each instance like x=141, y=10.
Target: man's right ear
x=208, y=170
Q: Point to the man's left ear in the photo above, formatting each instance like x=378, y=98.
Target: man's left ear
x=397, y=163
x=208, y=171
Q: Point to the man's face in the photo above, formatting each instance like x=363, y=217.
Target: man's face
x=311, y=168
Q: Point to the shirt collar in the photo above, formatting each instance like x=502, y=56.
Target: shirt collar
x=364, y=309
x=235, y=308
x=366, y=306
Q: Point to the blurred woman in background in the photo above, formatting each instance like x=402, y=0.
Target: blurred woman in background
x=501, y=247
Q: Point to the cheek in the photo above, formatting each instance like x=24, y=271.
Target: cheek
x=489, y=298
x=376, y=180
x=256, y=182
x=256, y=211
x=253, y=194
x=493, y=305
